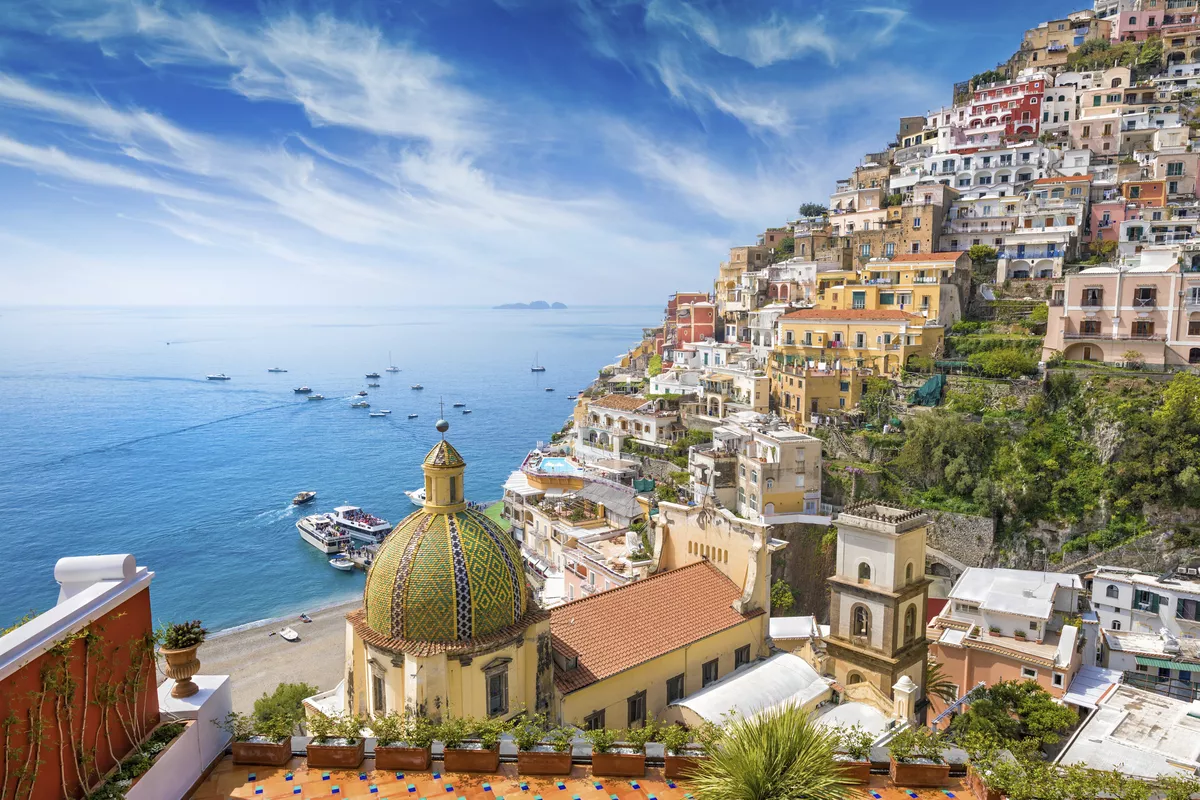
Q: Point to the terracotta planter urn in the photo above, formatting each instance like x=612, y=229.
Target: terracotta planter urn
x=543, y=762
x=619, y=765
x=181, y=666
x=395, y=758
x=335, y=756
x=858, y=772
x=263, y=754
x=919, y=774
x=466, y=760
x=683, y=764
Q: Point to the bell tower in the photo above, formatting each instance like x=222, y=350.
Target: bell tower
x=444, y=468
x=878, y=596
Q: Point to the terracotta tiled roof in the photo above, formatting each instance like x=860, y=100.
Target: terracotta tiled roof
x=910, y=258
x=849, y=314
x=615, y=630
x=620, y=402
x=358, y=620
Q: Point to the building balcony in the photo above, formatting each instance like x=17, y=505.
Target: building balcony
x=1015, y=254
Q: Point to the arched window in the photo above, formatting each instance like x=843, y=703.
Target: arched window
x=908, y=572
x=910, y=623
x=1116, y=626
x=862, y=621
x=864, y=572
x=1116, y=81
x=1111, y=591
x=853, y=678
x=770, y=483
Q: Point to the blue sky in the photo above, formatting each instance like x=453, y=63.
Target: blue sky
x=445, y=151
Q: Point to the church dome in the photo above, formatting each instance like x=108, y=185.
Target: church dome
x=446, y=573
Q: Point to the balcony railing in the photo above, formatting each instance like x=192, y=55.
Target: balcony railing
x=927, y=279
x=1141, y=337
x=1073, y=336
x=1144, y=302
x=1091, y=302
x=1011, y=254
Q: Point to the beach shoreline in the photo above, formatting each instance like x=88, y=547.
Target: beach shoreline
x=257, y=661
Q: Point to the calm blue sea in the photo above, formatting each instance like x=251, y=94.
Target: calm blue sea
x=112, y=441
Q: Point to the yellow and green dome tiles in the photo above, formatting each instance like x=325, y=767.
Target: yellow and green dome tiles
x=445, y=577
x=443, y=454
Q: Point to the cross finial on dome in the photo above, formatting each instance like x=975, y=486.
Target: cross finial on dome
x=441, y=425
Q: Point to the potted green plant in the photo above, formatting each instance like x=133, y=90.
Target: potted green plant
x=464, y=754
x=993, y=630
x=261, y=741
x=403, y=742
x=177, y=643
x=916, y=758
x=541, y=751
x=337, y=742
x=681, y=757
x=854, y=753
x=613, y=756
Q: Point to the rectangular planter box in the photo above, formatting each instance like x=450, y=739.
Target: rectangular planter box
x=400, y=759
x=263, y=754
x=456, y=760
x=681, y=766
x=979, y=788
x=858, y=772
x=335, y=756
x=919, y=774
x=543, y=763
x=619, y=765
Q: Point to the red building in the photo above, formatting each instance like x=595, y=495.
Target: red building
x=691, y=317
x=1016, y=105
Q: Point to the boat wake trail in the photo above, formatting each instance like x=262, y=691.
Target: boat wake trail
x=149, y=437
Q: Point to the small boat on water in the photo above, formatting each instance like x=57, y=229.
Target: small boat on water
x=304, y=497
x=417, y=496
x=319, y=531
x=460, y=405
x=289, y=635
x=302, y=390
x=393, y=367
x=379, y=413
x=360, y=404
x=372, y=385
x=572, y=397
x=341, y=563
x=548, y=389
x=361, y=394
x=466, y=411
x=536, y=366
x=316, y=397
x=412, y=416
x=277, y=369
x=362, y=527
x=219, y=377
x=417, y=386
x=372, y=375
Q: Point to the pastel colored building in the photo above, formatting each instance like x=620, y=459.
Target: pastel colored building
x=884, y=340
x=1150, y=311
x=933, y=285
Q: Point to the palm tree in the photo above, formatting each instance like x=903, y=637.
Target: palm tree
x=937, y=684
x=779, y=754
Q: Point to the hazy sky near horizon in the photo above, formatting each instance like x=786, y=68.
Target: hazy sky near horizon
x=442, y=151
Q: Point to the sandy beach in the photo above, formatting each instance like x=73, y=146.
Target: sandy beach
x=258, y=662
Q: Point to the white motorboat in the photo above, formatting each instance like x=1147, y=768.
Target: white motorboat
x=372, y=375
x=361, y=526
x=378, y=414
x=466, y=411
x=548, y=389
x=289, y=635
x=304, y=497
x=417, y=386
x=219, y=377
x=277, y=369
x=320, y=531
x=393, y=367
x=372, y=385
x=417, y=496
x=302, y=390
x=361, y=394
x=412, y=416
x=572, y=397
x=360, y=404
x=459, y=405
x=341, y=563
x=316, y=397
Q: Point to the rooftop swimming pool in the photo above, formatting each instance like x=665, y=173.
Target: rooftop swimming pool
x=557, y=466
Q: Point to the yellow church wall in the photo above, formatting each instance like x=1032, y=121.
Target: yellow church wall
x=611, y=694
x=726, y=541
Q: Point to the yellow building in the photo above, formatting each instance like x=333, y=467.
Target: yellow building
x=934, y=285
x=800, y=391
x=448, y=624
x=883, y=340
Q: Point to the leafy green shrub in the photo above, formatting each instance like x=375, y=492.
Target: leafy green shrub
x=529, y=732
x=286, y=702
x=349, y=727
x=640, y=736
x=674, y=738
x=454, y=731
x=490, y=730
x=388, y=729
x=916, y=743
x=181, y=635
x=855, y=742
x=602, y=739
x=321, y=728
x=1004, y=363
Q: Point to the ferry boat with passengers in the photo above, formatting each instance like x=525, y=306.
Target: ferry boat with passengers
x=321, y=532
x=363, y=527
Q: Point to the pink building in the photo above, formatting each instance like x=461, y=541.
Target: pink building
x=1112, y=313
x=1107, y=218
x=1014, y=106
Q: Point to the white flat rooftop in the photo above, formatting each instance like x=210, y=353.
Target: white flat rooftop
x=1012, y=591
x=782, y=678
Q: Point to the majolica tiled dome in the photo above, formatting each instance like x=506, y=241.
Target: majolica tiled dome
x=445, y=575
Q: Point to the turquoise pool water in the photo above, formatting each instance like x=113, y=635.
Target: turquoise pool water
x=558, y=466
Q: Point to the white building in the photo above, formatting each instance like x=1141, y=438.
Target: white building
x=1158, y=662
x=1015, y=603
x=1128, y=600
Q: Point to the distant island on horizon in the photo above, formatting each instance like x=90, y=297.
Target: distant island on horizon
x=536, y=305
